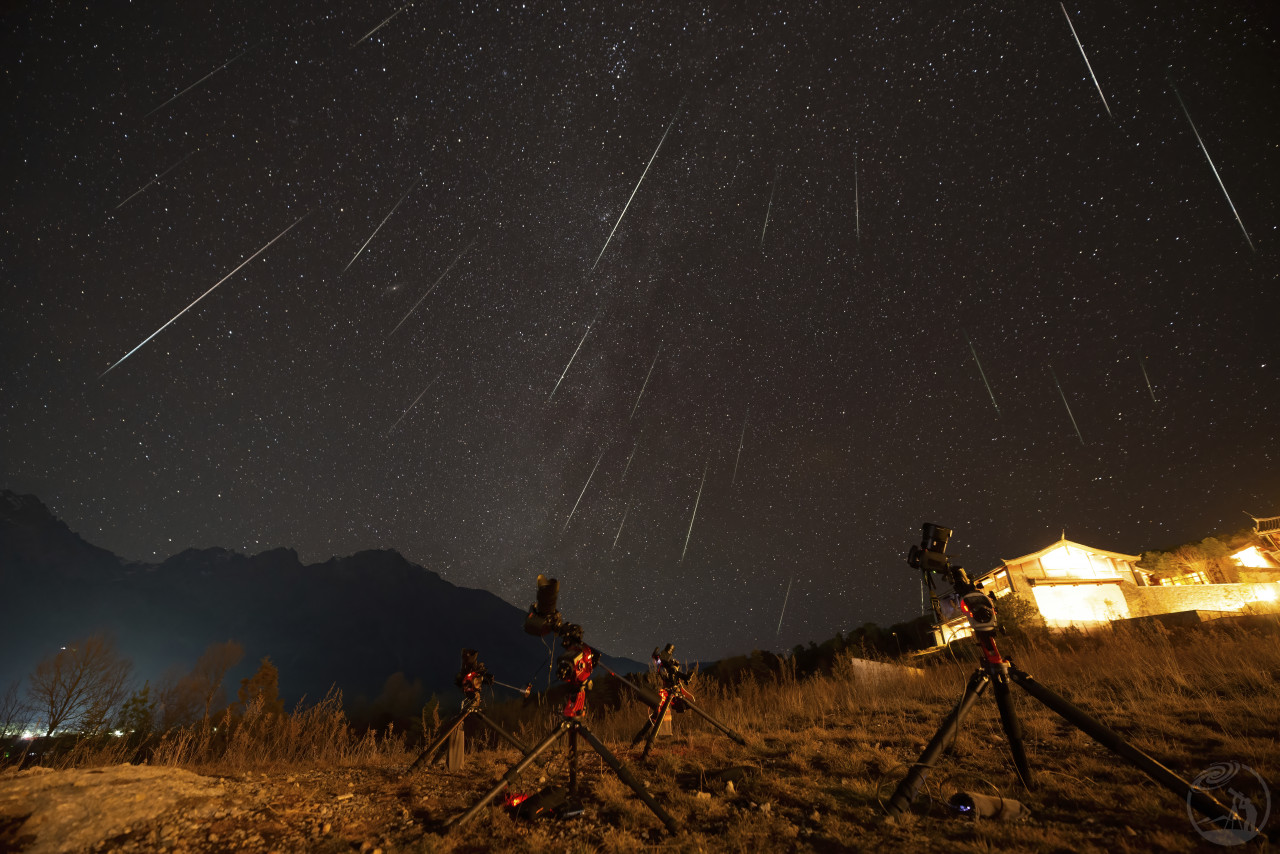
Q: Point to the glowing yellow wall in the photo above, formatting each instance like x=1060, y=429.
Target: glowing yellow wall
x=1064, y=605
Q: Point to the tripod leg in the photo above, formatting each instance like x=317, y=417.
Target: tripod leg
x=644, y=730
x=508, y=777
x=656, y=723
x=1012, y=729
x=1095, y=729
x=515, y=742
x=431, y=749
x=942, y=740
x=627, y=777
x=715, y=723
x=573, y=760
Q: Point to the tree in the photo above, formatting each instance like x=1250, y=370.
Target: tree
x=196, y=695
x=400, y=703
x=264, y=687
x=1217, y=557
x=14, y=713
x=1210, y=559
x=80, y=686
x=138, y=714
x=1159, y=564
x=212, y=668
x=1020, y=616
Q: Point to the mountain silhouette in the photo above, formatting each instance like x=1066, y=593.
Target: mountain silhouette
x=348, y=622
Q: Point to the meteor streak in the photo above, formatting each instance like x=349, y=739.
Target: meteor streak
x=981, y=372
x=696, y=501
x=857, y=214
x=583, y=492
x=620, y=524
x=381, y=224
x=571, y=358
x=1142, y=363
x=634, y=448
x=412, y=405
x=1086, y=60
x=784, y=606
x=202, y=296
x=638, y=183
x=430, y=289
x=1211, y=166
x=741, y=440
x=157, y=178
x=201, y=80
x=768, y=210
x=1067, y=405
x=383, y=24
x=644, y=385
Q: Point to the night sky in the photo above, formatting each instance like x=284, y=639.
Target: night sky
x=851, y=207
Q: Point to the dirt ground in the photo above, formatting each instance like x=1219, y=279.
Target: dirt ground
x=136, y=808
x=130, y=808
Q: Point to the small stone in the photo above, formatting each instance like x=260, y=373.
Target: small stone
x=704, y=796
x=213, y=837
x=1129, y=830
x=326, y=827
x=815, y=816
x=729, y=789
x=366, y=847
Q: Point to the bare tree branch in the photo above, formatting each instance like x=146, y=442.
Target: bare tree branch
x=80, y=686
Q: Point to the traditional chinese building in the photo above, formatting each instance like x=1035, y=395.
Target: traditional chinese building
x=1072, y=584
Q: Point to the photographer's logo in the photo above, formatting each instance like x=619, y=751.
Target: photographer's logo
x=1246, y=796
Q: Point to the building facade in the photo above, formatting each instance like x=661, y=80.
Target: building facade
x=1073, y=584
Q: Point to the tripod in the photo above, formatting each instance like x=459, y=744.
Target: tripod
x=471, y=679
x=471, y=705
x=672, y=695
x=577, y=671
x=996, y=671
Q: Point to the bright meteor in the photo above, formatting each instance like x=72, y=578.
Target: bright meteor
x=571, y=358
x=432, y=288
x=584, y=492
x=1186, y=113
x=201, y=80
x=696, y=502
x=381, y=224
x=1086, y=60
x=383, y=24
x=202, y=296
x=1067, y=405
x=638, y=183
x=982, y=373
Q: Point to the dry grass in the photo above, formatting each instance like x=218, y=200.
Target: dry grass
x=825, y=752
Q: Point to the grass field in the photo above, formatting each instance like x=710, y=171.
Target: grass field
x=824, y=752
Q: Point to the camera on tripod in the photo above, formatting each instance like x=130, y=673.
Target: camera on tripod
x=578, y=660
x=930, y=557
x=931, y=554
x=543, y=618
x=473, y=675
x=665, y=660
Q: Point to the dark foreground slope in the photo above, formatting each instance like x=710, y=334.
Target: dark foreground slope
x=822, y=754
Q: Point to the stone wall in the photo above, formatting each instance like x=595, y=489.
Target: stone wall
x=1149, y=601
